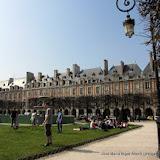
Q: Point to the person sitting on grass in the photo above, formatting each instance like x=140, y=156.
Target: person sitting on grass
x=93, y=124
x=104, y=127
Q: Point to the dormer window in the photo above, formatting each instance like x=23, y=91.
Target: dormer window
x=70, y=82
x=93, y=74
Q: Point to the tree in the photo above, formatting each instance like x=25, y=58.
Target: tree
x=149, y=10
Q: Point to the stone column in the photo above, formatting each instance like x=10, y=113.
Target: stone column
x=77, y=112
x=111, y=112
x=85, y=112
x=93, y=112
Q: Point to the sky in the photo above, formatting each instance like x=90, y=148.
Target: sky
x=43, y=35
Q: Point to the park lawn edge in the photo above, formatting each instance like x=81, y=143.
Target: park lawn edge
x=68, y=147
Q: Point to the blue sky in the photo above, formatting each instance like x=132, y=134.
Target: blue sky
x=43, y=35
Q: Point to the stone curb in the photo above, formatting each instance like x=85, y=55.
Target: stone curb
x=68, y=147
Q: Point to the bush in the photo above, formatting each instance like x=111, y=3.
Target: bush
x=25, y=119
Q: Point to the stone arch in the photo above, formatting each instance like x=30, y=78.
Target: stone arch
x=66, y=112
x=106, y=112
x=98, y=112
x=81, y=111
x=138, y=112
x=19, y=111
x=74, y=112
x=53, y=111
x=116, y=112
x=23, y=111
x=124, y=114
x=9, y=111
x=149, y=112
x=4, y=111
x=89, y=111
x=127, y=112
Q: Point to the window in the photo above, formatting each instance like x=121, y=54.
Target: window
x=89, y=90
x=116, y=87
x=81, y=82
x=74, y=91
x=148, y=101
x=136, y=85
x=81, y=91
x=97, y=90
x=126, y=86
x=147, y=85
x=107, y=88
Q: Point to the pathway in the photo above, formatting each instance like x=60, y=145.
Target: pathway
x=138, y=144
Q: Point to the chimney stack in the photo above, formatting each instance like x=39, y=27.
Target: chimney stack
x=105, y=69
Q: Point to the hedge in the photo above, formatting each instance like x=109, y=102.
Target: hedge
x=25, y=119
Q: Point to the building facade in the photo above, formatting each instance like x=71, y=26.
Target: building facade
x=90, y=91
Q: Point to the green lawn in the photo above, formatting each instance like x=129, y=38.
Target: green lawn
x=27, y=140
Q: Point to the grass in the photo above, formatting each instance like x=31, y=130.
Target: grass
x=27, y=140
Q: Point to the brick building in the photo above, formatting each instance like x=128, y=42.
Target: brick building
x=90, y=91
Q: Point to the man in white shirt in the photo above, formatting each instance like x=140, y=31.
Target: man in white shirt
x=48, y=125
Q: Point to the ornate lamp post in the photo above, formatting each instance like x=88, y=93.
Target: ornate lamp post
x=129, y=31
x=128, y=23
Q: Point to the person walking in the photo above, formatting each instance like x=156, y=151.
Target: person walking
x=13, y=118
x=48, y=126
x=17, y=120
x=34, y=118
x=59, y=120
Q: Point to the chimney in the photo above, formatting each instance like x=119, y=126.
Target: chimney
x=10, y=81
x=68, y=72
x=39, y=76
x=105, y=71
x=55, y=73
x=76, y=70
x=122, y=67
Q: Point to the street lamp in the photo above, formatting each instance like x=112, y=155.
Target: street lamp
x=129, y=26
x=128, y=23
x=129, y=31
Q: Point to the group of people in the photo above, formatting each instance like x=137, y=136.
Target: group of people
x=103, y=124
x=48, y=121
x=107, y=123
